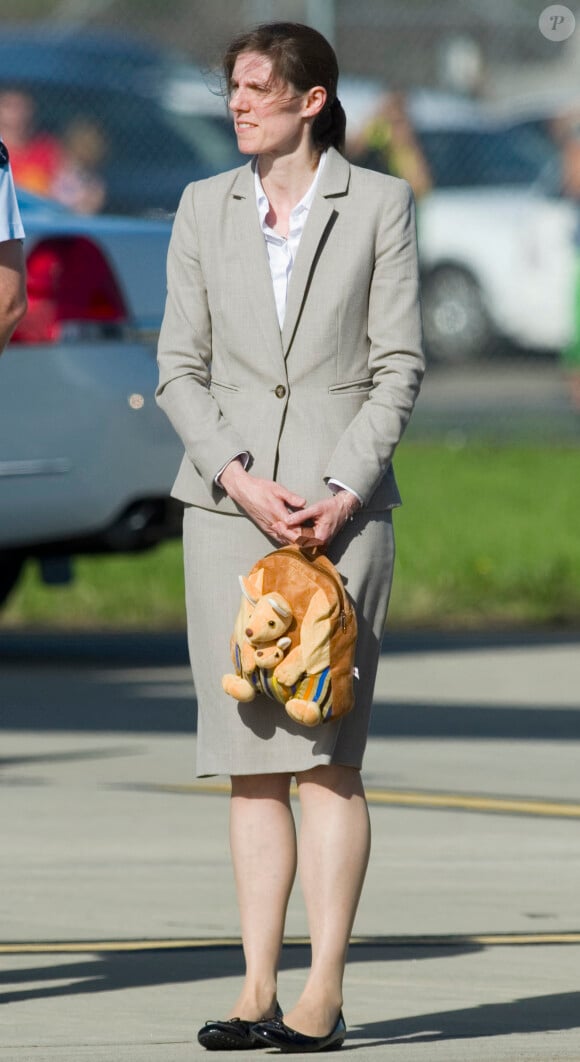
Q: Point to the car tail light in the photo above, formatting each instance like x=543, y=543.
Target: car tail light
x=72, y=293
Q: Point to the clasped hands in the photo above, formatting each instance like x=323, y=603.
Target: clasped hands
x=283, y=515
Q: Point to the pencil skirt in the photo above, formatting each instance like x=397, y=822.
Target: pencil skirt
x=259, y=737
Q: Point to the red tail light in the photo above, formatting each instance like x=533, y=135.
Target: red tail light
x=71, y=291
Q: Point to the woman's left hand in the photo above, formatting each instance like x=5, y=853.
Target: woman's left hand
x=324, y=519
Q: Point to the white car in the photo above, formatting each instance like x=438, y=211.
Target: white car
x=497, y=265
x=86, y=458
x=496, y=240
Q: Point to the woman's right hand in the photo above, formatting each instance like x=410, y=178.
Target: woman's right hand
x=266, y=503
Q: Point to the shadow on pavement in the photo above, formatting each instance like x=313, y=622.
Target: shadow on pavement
x=169, y=648
x=114, y=971
x=104, y=708
x=71, y=756
x=416, y=720
x=531, y=1015
x=110, y=972
x=140, y=683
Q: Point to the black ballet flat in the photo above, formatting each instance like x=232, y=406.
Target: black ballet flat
x=235, y=1034
x=274, y=1033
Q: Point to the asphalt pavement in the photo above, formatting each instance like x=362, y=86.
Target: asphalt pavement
x=521, y=399
x=118, y=925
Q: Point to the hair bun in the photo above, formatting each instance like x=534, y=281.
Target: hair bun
x=332, y=133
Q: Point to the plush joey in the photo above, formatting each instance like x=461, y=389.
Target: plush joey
x=269, y=656
x=258, y=641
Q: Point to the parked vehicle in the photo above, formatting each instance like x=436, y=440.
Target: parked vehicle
x=496, y=238
x=498, y=268
x=495, y=235
x=161, y=125
x=86, y=458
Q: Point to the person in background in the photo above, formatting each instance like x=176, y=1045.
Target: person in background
x=35, y=156
x=78, y=183
x=12, y=268
x=388, y=143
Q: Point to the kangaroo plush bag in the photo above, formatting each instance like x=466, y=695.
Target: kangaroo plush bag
x=295, y=636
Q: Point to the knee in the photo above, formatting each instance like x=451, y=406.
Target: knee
x=337, y=777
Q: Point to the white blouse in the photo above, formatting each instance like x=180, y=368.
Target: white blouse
x=282, y=250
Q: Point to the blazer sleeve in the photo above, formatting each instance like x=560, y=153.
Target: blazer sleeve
x=184, y=354
x=396, y=360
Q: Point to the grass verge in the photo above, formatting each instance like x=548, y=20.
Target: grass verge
x=488, y=536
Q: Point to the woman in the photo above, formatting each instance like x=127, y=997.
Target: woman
x=290, y=358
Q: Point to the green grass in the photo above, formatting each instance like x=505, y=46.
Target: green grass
x=487, y=536
x=125, y=591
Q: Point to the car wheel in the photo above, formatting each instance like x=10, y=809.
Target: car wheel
x=11, y=564
x=456, y=322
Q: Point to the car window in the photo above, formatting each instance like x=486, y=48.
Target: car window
x=472, y=158
x=150, y=152
x=216, y=133
x=137, y=129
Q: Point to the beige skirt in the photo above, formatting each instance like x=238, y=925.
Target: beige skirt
x=259, y=737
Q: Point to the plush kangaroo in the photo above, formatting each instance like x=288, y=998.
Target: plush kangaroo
x=300, y=680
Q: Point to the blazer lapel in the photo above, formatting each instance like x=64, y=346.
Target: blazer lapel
x=333, y=183
x=253, y=258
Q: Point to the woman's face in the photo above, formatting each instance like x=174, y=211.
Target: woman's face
x=269, y=115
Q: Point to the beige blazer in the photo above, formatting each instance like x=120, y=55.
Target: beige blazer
x=330, y=395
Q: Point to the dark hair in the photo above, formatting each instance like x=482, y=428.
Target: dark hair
x=302, y=57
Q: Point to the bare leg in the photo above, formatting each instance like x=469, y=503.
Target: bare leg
x=334, y=848
x=263, y=845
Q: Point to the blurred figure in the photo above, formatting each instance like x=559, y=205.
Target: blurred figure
x=78, y=183
x=12, y=270
x=461, y=66
x=388, y=143
x=35, y=156
x=569, y=130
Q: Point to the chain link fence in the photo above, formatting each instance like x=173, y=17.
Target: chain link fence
x=114, y=105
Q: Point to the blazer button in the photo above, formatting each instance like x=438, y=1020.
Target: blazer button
x=280, y=391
